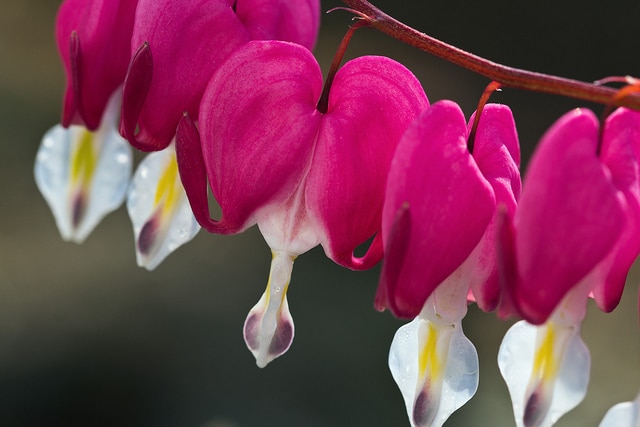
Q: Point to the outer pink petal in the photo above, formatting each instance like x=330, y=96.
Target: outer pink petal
x=188, y=40
x=295, y=21
x=569, y=216
x=449, y=203
x=507, y=262
x=371, y=103
x=93, y=38
x=258, y=126
x=497, y=153
x=621, y=153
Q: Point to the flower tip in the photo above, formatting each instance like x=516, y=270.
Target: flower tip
x=269, y=329
x=424, y=409
x=280, y=341
x=536, y=408
x=148, y=235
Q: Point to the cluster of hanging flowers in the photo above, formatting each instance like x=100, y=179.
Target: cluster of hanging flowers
x=361, y=157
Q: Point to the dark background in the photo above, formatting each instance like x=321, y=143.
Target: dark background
x=89, y=339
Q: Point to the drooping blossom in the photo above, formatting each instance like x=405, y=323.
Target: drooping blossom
x=83, y=167
x=167, y=77
x=93, y=39
x=439, y=239
x=572, y=235
x=178, y=44
x=305, y=176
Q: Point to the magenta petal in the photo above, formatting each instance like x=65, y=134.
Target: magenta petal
x=621, y=153
x=569, y=216
x=396, y=250
x=259, y=123
x=371, y=103
x=497, y=153
x=209, y=32
x=134, y=92
x=451, y=205
x=295, y=21
x=194, y=177
x=507, y=262
x=93, y=38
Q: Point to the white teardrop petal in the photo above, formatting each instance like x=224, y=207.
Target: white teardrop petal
x=159, y=210
x=269, y=328
x=546, y=369
x=83, y=176
x=436, y=369
x=52, y=175
x=626, y=414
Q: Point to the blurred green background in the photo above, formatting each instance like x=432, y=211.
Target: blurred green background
x=89, y=339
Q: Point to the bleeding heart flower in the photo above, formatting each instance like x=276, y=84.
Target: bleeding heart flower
x=573, y=234
x=83, y=167
x=427, y=226
x=94, y=38
x=304, y=176
x=178, y=44
x=439, y=233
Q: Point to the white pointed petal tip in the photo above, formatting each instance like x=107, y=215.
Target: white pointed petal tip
x=436, y=369
x=159, y=210
x=546, y=369
x=83, y=176
x=625, y=414
x=269, y=329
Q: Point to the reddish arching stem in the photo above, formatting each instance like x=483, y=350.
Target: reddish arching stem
x=491, y=88
x=323, y=102
x=506, y=76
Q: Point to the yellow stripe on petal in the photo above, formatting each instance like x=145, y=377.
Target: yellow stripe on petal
x=167, y=180
x=169, y=188
x=545, y=365
x=283, y=292
x=84, y=161
x=429, y=361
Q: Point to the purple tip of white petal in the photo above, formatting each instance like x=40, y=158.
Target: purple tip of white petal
x=425, y=408
x=268, y=328
x=148, y=236
x=537, y=407
x=79, y=207
x=281, y=340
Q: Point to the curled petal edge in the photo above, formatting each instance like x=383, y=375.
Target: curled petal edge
x=194, y=177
